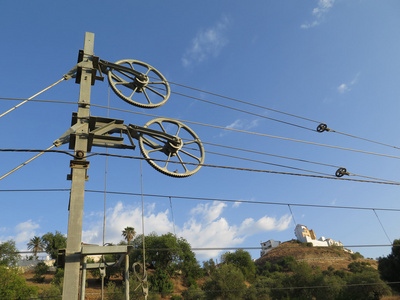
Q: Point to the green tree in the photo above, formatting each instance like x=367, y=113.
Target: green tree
x=14, y=286
x=365, y=285
x=242, y=260
x=9, y=254
x=128, y=233
x=36, y=244
x=389, y=266
x=227, y=282
x=209, y=266
x=167, y=252
x=53, y=242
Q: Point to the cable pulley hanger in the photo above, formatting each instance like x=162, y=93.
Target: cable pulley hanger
x=161, y=137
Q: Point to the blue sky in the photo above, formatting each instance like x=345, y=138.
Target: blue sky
x=333, y=61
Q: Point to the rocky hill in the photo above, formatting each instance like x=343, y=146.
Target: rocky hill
x=321, y=257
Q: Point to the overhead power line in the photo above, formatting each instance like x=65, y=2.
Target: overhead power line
x=378, y=181
x=254, y=133
x=193, y=198
x=244, y=102
x=244, y=111
x=37, y=94
x=232, y=129
x=274, y=110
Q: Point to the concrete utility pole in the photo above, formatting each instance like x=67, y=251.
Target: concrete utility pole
x=79, y=168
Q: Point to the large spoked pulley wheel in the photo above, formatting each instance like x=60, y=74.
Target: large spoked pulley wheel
x=181, y=156
x=139, y=84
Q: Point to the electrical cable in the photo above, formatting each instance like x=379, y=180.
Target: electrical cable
x=243, y=102
x=256, y=170
x=256, y=133
x=270, y=109
x=25, y=163
x=26, y=100
x=373, y=179
x=236, y=248
x=296, y=159
x=172, y=215
x=364, y=139
x=244, y=111
x=390, y=241
x=39, y=100
x=258, y=106
x=267, y=163
x=240, y=201
x=294, y=221
x=268, y=154
x=209, y=199
x=230, y=129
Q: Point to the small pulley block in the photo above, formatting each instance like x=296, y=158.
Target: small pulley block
x=322, y=127
x=341, y=171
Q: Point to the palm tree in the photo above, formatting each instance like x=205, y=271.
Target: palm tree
x=128, y=233
x=36, y=244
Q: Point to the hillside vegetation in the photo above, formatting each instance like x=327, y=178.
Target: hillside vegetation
x=294, y=270
x=316, y=257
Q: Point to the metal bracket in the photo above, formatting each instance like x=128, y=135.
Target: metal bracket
x=80, y=66
x=65, y=138
x=78, y=164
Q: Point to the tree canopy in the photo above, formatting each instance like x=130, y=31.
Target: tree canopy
x=128, y=233
x=53, y=242
x=242, y=260
x=8, y=254
x=14, y=286
x=167, y=252
x=389, y=266
x=36, y=244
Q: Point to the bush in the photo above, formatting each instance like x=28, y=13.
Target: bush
x=161, y=283
x=356, y=255
x=53, y=292
x=58, y=277
x=14, y=286
x=40, y=269
x=193, y=294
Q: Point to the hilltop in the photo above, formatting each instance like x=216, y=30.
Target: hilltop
x=321, y=257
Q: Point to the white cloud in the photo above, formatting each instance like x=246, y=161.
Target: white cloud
x=250, y=227
x=121, y=216
x=205, y=228
x=209, y=212
x=346, y=87
x=241, y=124
x=25, y=231
x=236, y=204
x=343, y=88
x=207, y=43
x=319, y=13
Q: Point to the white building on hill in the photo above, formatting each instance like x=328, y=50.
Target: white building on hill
x=305, y=235
x=268, y=246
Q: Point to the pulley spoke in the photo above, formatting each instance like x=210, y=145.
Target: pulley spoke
x=147, y=97
x=154, y=91
x=191, y=155
x=182, y=163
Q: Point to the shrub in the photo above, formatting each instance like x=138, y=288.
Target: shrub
x=40, y=269
x=356, y=255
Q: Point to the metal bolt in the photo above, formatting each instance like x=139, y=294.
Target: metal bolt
x=80, y=154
